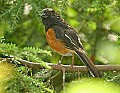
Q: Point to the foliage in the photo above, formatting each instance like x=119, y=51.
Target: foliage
x=23, y=83
x=23, y=36
x=27, y=53
x=12, y=81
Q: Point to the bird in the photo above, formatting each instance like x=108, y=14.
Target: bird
x=63, y=39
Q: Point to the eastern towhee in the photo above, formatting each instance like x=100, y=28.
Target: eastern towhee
x=62, y=38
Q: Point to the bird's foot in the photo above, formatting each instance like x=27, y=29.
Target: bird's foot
x=59, y=62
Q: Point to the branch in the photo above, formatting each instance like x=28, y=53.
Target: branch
x=67, y=67
x=70, y=68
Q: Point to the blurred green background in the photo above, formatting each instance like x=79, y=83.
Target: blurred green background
x=96, y=21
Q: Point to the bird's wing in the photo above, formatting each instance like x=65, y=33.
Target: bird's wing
x=68, y=36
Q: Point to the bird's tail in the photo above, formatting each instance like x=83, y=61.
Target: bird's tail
x=92, y=68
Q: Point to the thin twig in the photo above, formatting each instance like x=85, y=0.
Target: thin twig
x=54, y=75
x=63, y=69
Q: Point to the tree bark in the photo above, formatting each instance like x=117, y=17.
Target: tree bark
x=67, y=67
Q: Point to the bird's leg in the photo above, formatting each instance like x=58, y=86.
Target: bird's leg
x=60, y=60
x=72, y=60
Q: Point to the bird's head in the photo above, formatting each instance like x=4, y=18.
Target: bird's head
x=50, y=17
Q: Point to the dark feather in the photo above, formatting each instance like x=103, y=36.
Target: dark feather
x=67, y=35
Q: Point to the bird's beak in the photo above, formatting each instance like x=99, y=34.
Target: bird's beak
x=43, y=15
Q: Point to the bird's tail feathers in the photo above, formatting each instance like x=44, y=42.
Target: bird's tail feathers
x=86, y=60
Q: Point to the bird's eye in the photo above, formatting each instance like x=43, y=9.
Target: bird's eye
x=58, y=16
x=53, y=11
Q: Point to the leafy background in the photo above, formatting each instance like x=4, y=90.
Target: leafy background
x=22, y=36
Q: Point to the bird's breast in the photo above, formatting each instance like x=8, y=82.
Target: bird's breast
x=57, y=44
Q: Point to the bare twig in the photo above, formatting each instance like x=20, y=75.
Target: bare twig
x=69, y=67
x=63, y=69
x=54, y=75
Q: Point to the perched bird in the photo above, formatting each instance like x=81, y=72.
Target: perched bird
x=62, y=38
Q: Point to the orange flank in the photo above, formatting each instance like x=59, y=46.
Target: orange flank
x=56, y=44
